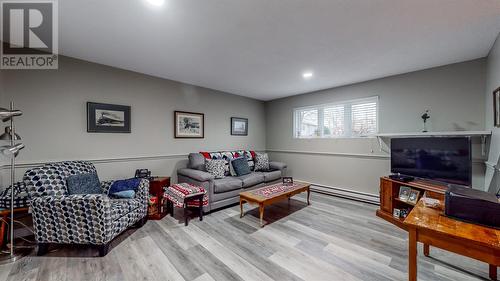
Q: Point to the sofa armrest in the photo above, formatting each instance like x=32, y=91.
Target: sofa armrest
x=55, y=218
x=196, y=174
x=277, y=165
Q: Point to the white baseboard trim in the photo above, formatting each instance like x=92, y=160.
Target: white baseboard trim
x=345, y=193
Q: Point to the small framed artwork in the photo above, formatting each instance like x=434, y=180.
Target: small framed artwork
x=107, y=118
x=404, y=193
x=396, y=213
x=413, y=197
x=239, y=126
x=287, y=181
x=189, y=125
x=496, y=107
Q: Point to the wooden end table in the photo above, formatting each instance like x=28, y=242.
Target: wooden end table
x=271, y=194
x=432, y=228
x=156, y=185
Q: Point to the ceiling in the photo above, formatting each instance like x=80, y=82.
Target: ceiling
x=261, y=48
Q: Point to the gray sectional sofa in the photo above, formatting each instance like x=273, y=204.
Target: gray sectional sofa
x=225, y=191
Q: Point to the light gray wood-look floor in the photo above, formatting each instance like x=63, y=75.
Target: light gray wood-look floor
x=333, y=239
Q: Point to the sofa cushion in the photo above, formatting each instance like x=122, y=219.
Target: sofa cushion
x=227, y=184
x=271, y=175
x=251, y=179
x=84, y=184
x=196, y=161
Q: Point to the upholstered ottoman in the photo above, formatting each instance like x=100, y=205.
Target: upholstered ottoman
x=185, y=195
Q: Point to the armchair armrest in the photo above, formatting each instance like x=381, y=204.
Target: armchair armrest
x=106, y=185
x=277, y=165
x=56, y=218
x=196, y=174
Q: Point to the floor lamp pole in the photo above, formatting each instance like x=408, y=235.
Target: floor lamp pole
x=12, y=180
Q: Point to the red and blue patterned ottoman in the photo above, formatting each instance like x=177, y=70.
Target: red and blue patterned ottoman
x=185, y=195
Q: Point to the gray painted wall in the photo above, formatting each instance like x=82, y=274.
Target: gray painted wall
x=453, y=93
x=53, y=126
x=492, y=83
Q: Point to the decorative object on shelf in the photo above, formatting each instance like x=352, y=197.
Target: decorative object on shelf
x=413, y=197
x=287, y=181
x=189, y=125
x=108, y=118
x=396, y=213
x=424, y=117
x=404, y=193
x=496, y=107
x=11, y=151
x=431, y=202
x=239, y=126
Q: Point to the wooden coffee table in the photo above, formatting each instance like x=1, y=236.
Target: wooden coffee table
x=270, y=194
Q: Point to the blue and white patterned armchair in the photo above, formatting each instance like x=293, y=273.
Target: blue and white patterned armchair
x=95, y=219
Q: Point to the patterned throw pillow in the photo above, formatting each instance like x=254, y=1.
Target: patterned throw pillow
x=261, y=162
x=240, y=166
x=84, y=184
x=216, y=168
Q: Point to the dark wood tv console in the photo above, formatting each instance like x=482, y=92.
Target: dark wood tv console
x=389, y=197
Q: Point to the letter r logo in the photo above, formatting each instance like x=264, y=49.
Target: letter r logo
x=27, y=27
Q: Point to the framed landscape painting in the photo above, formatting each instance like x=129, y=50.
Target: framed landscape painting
x=189, y=124
x=108, y=118
x=239, y=126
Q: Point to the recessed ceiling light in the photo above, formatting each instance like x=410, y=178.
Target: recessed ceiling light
x=307, y=75
x=156, y=3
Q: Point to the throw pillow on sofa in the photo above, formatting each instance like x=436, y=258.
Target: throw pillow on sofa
x=123, y=185
x=84, y=184
x=240, y=166
x=216, y=168
x=262, y=162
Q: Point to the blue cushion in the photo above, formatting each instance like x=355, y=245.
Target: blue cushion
x=84, y=184
x=124, y=194
x=240, y=166
x=122, y=185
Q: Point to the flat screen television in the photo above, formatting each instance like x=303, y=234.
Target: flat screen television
x=444, y=159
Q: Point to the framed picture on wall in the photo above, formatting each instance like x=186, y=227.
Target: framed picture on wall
x=239, y=126
x=107, y=118
x=189, y=125
x=496, y=107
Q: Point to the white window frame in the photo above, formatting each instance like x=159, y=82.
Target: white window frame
x=347, y=118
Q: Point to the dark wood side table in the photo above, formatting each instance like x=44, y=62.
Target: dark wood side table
x=156, y=185
x=5, y=216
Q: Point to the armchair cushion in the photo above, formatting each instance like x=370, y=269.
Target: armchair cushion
x=196, y=174
x=123, y=185
x=84, y=184
x=126, y=194
x=277, y=165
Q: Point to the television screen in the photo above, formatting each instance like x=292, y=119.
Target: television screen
x=446, y=159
